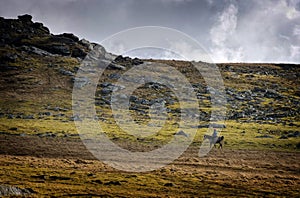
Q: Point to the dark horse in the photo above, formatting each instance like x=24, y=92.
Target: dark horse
x=215, y=140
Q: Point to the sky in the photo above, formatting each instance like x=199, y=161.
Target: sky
x=229, y=30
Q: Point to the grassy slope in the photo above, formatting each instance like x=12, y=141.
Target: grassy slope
x=38, y=87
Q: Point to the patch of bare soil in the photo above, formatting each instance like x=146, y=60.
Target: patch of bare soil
x=220, y=173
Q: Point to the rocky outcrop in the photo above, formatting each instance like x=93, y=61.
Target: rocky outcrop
x=34, y=37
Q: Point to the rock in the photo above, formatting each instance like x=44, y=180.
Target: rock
x=115, y=183
x=105, y=84
x=258, y=89
x=182, y=133
x=77, y=52
x=264, y=136
x=169, y=184
x=59, y=115
x=70, y=36
x=119, y=97
x=9, y=57
x=47, y=113
x=19, y=116
x=54, y=177
x=116, y=66
x=119, y=59
x=6, y=190
x=127, y=61
x=106, y=91
x=10, y=116
x=108, y=88
x=86, y=43
x=5, y=68
x=25, y=18
x=236, y=115
x=13, y=128
x=47, y=134
x=109, y=56
x=41, y=27
x=79, y=161
x=90, y=175
x=60, y=40
x=144, y=101
x=98, y=53
x=80, y=82
x=106, y=101
x=213, y=125
x=42, y=177
x=283, y=137
x=97, y=181
x=60, y=49
x=66, y=72
x=270, y=93
x=35, y=50
x=75, y=118
x=133, y=99
x=155, y=86
x=137, y=61
x=239, y=97
x=294, y=134
x=55, y=108
x=114, y=76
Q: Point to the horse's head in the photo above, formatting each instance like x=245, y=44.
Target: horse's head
x=206, y=137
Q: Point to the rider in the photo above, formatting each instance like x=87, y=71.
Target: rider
x=215, y=136
x=215, y=133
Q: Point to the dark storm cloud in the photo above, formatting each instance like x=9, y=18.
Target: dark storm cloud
x=252, y=31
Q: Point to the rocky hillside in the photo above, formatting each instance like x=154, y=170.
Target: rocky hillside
x=37, y=71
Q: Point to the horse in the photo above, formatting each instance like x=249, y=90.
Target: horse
x=214, y=140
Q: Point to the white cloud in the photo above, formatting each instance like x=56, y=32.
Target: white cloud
x=295, y=52
x=221, y=35
x=296, y=30
x=190, y=52
x=225, y=26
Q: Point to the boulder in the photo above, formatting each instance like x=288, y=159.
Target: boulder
x=66, y=72
x=116, y=66
x=137, y=61
x=40, y=26
x=60, y=49
x=86, y=44
x=78, y=52
x=70, y=36
x=270, y=93
x=35, y=50
x=6, y=190
x=182, y=133
x=264, y=136
x=80, y=82
x=29, y=117
x=283, y=137
x=213, y=125
x=114, y=76
x=25, y=18
x=61, y=40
